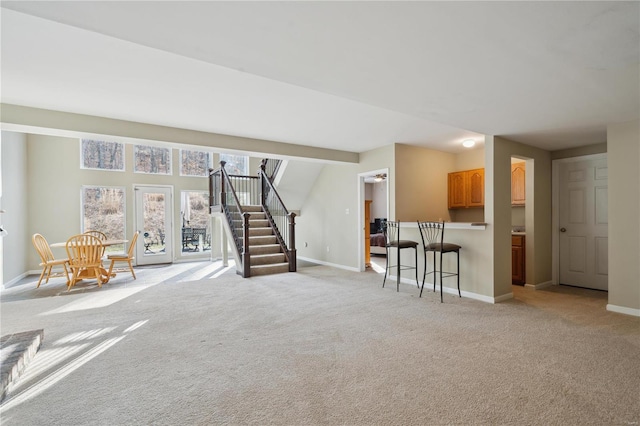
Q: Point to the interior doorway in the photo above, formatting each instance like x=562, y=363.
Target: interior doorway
x=373, y=196
x=154, y=220
x=521, y=201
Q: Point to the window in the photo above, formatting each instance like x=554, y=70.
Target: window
x=101, y=155
x=151, y=159
x=103, y=210
x=194, y=211
x=194, y=163
x=236, y=164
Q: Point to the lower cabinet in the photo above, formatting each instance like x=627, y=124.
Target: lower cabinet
x=517, y=259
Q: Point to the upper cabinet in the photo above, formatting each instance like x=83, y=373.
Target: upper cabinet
x=518, y=184
x=466, y=189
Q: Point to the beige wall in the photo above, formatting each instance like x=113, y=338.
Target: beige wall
x=421, y=183
x=329, y=232
x=599, y=148
x=35, y=120
x=54, y=186
x=623, y=142
x=324, y=222
x=537, y=211
x=468, y=160
x=16, y=246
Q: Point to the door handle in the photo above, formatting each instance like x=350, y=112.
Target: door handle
x=563, y=229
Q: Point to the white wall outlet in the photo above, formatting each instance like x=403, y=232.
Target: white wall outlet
x=346, y=211
x=327, y=249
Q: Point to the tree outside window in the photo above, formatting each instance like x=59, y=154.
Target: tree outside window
x=196, y=229
x=194, y=163
x=236, y=164
x=103, y=210
x=151, y=159
x=101, y=155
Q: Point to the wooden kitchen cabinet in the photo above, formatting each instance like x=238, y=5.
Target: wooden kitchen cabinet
x=518, y=184
x=466, y=189
x=518, y=259
x=457, y=193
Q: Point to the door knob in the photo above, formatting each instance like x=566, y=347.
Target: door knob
x=563, y=229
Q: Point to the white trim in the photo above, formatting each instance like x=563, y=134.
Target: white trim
x=623, y=310
x=540, y=286
x=454, y=291
x=6, y=285
x=194, y=260
x=333, y=265
x=502, y=298
x=361, y=224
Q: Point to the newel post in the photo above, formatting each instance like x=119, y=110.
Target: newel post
x=293, y=262
x=211, y=196
x=246, y=256
x=223, y=193
x=262, y=173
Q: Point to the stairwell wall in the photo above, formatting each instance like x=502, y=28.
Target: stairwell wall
x=329, y=221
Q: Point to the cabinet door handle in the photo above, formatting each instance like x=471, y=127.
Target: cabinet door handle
x=563, y=229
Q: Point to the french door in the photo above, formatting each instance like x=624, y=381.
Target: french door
x=154, y=220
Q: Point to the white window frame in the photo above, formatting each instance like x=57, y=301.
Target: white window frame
x=83, y=167
x=169, y=169
x=209, y=162
x=246, y=171
x=124, y=211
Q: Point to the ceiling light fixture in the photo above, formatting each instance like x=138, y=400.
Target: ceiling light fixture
x=380, y=177
x=469, y=143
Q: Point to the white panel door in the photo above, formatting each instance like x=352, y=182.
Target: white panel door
x=583, y=223
x=154, y=213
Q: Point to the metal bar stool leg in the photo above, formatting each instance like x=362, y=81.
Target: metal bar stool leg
x=458, y=256
x=441, y=285
x=416, y=250
x=398, y=269
x=434, y=272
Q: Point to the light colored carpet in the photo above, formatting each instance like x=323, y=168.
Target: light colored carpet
x=325, y=347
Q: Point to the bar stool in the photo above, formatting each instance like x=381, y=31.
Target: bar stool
x=391, y=232
x=432, y=234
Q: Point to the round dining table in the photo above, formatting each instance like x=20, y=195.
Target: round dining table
x=105, y=243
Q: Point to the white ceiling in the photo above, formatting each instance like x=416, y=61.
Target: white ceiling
x=343, y=75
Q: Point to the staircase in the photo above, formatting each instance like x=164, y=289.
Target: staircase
x=265, y=254
x=261, y=228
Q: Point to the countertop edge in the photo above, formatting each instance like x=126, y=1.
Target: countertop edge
x=474, y=226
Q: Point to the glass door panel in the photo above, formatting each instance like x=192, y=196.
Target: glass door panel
x=154, y=221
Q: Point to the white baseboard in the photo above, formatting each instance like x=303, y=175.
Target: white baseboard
x=540, y=286
x=18, y=278
x=333, y=265
x=502, y=298
x=412, y=282
x=454, y=291
x=623, y=310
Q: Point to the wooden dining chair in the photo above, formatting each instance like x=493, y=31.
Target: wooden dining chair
x=48, y=261
x=85, y=259
x=101, y=235
x=125, y=257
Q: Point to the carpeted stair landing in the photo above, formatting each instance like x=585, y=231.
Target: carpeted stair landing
x=16, y=351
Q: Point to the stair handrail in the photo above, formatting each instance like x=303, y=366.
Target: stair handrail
x=272, y=204
x=241, y=244
x=271, y=166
